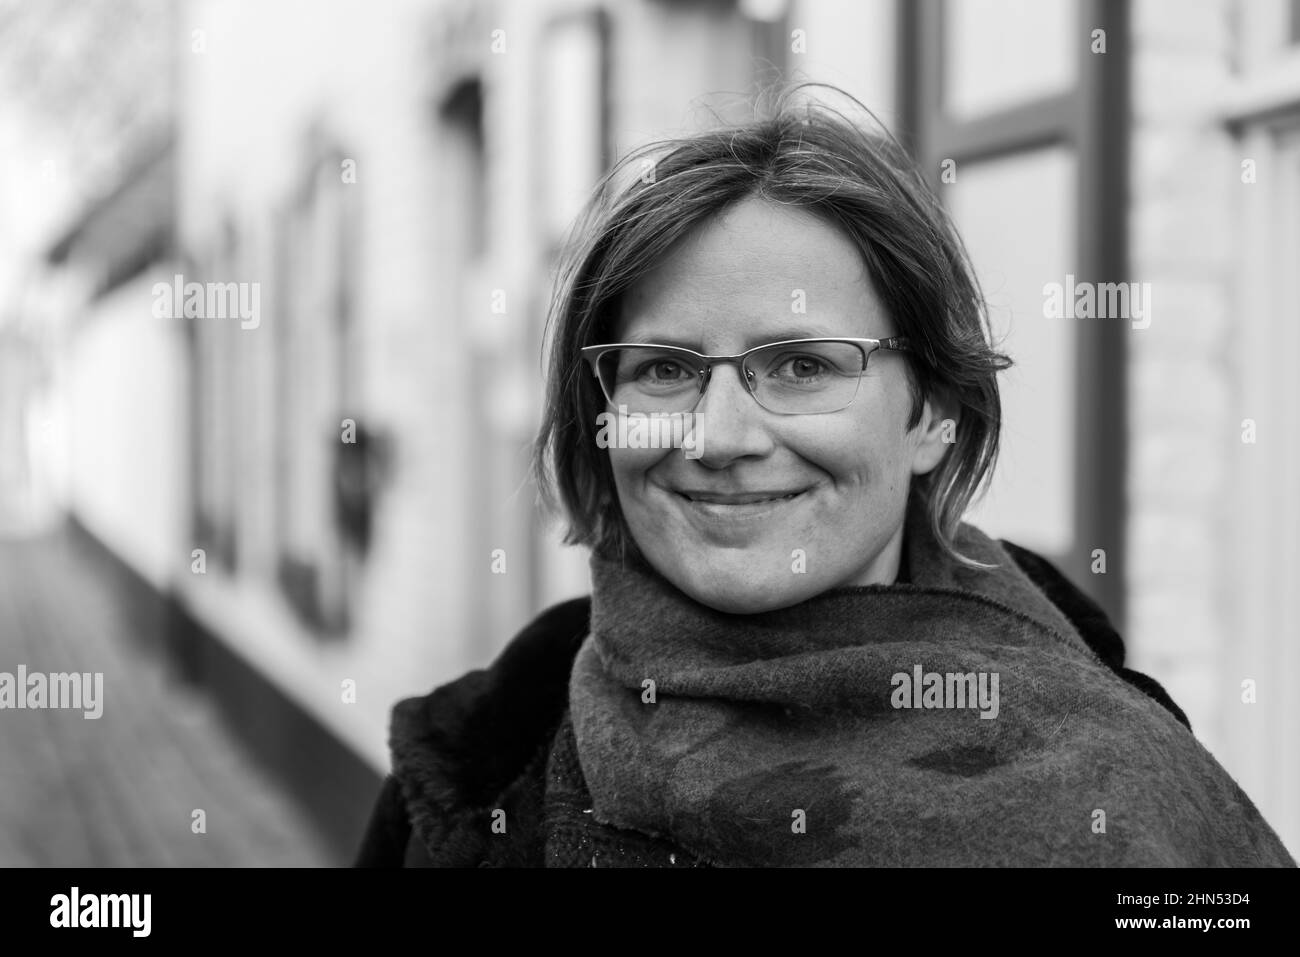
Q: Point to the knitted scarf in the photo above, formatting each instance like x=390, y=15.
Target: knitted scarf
x=956, y=720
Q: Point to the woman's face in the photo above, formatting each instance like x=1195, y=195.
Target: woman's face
x=734, y=284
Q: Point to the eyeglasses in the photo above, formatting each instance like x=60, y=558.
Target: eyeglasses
x=792, y=377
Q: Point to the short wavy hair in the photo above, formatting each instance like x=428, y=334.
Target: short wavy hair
x=795, y=151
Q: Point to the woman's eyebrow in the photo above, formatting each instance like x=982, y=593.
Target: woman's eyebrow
x=799, y=332
x=756, y=338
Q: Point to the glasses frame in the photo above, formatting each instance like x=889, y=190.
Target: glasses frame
x=891, y=344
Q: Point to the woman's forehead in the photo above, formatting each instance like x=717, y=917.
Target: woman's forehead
x=756, y=271
x=759, y=246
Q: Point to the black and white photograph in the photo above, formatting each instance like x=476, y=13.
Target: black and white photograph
x=651, y=434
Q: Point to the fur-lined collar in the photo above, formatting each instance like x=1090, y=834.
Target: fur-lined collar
x=464, y=747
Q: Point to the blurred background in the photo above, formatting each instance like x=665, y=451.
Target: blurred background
x=266, y=526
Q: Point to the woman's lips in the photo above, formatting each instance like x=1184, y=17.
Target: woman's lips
x=724, y=507
x=737, y=498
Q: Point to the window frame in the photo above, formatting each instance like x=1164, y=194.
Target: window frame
x=1084, y=119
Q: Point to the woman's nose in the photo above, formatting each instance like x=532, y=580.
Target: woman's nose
x=730, y=423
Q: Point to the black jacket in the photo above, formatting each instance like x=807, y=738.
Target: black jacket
x=484, y=742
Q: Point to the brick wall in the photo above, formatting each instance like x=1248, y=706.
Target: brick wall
x=1184, y=186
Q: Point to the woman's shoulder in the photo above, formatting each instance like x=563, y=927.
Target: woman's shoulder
x=461, y=747
x=1092, y=623
x=527, y=680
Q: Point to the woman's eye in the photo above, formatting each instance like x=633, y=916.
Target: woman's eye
x=800, y=367
x=662, y=371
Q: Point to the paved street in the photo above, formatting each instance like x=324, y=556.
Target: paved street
x=121, y=790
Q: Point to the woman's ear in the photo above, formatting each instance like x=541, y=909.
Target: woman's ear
x=936, y=433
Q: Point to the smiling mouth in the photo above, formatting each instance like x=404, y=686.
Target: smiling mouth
x=739, y=498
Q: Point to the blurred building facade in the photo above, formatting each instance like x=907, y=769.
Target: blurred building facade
x=328, y=483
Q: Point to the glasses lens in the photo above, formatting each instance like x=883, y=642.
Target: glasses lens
x=650, y=378
x=807, y=377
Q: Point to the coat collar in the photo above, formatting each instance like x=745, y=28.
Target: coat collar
x=456, y=750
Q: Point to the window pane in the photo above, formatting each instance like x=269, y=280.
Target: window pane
x=1017, y=216
x=1001, y=53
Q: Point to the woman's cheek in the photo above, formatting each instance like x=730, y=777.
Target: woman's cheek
x=634, y=476
x=843, y=456
x=633, y=465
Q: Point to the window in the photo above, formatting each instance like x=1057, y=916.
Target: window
x=1003, y=103
x=313, y=359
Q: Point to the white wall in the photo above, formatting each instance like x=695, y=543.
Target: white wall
x=125, y=413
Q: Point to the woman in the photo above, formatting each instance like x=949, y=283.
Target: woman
x=795, y=652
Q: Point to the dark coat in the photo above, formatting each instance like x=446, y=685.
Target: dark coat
x=498, y=739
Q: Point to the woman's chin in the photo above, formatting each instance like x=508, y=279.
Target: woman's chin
x=739, y=594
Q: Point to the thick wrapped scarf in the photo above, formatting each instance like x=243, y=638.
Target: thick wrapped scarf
x=819, y=735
